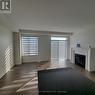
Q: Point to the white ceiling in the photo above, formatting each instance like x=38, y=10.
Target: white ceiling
x=52, y=15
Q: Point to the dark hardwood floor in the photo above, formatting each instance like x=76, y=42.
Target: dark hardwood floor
x=22, y=79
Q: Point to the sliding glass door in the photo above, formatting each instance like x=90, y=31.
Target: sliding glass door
x=58, y=48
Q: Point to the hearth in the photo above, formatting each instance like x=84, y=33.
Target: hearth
x=80, y=60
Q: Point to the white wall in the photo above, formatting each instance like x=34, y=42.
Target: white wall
x=6, y=50
x=83, y=36
x=43, y=50
x=86, y=37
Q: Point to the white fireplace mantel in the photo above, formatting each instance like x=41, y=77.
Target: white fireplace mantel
x=90, y=57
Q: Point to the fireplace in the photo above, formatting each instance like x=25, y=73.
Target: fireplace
x=80, y=60
x=85, y=57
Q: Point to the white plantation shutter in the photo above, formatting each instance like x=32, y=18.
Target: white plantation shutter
x=29, y=45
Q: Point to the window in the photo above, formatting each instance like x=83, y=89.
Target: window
x=29, y=45
x=58, y=38
x=59, y=48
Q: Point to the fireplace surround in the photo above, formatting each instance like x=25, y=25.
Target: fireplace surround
x=89, y=54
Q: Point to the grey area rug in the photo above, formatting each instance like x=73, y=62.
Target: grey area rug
x=64, y=81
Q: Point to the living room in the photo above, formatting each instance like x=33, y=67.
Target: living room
x=46, y=35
